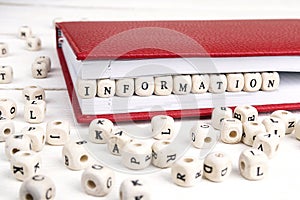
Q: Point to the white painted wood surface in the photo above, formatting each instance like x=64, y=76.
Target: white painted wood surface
x=283, y=180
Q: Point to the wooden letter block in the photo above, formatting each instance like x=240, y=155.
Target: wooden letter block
x=75, y=155
x=274, y=126
x=38, y=187
x=253, y=164
x=106, y=88
x=37, y=136
x=86, y=88
x=97, y=180
x=8, y=108
x=235, y=82
x=218, y=115
x=144, y=86
x=44, y=59
x=100, y=130
x=231, y=131
x=217, y=167
x=136, y=155
x=270, y=81
x=17, y=142
x=134, y=188
x=24, y=32
x=25, y=164
x=118, y=139
x=125, y=87
x=57, y=132
x=253, y=82
x=200, y=83
x=245, y=113
x=267, y=143
x=34, y=111
x=3, y=49
x=39, y=70
x=33, y=43
x=251, y=129
x=7, y=128
x=163, y=85
x=200, y=135
x=164, y=154
x=6, y=74
x=288, y=118
x=163, y=127
x=33, y=92
x=187, y=171
x=182, y=84
x=218, y=83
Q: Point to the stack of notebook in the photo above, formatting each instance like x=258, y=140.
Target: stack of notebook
x=103, y=60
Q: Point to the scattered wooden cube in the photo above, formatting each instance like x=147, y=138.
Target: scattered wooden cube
x=3, y=49
x=251, y=129
x=75, y=155
x=200, y=135
x=100, y=130
x=8, y=108
x=274, y=126
x=253, y=164
x=6, y=74
x=38, y=187
x=134, y=188
x=57, y=132
x=7, y=128
x=46, y=60
x=164, y=153
x=33, y=92
x=136, y=155
x=245, y=113
x=37, y=136
x=39, y=70
x=118, y=139
x=267, y=143
x=163, y=127
x=97, y=180
x=217, y=167
x=187, y=171
x=24, y=32
x=288, y=118
x=25, y=164
x=231, y=131
x=33, y=43
x=17, y=142
x=218, y=115
x=35, y=111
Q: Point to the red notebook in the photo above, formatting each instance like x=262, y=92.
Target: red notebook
x=146, y=40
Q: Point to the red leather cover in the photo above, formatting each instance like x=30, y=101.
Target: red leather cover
x=168, y=39
x=220, y=38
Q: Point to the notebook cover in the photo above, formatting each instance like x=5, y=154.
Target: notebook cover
x=169, y=39
x=289, y=49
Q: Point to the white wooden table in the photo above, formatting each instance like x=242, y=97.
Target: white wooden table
x=283, y=180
